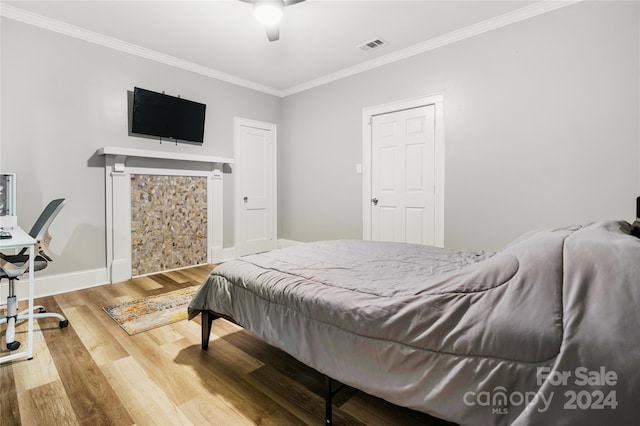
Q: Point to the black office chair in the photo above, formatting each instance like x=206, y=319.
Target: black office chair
x=15, y=265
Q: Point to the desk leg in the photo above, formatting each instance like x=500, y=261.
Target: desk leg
x=31, y=296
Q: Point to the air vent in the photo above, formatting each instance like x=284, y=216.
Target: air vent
x=373, y=44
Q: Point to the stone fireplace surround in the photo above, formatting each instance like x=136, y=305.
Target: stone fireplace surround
x=120, y=164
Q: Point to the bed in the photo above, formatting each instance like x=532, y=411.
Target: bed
x=545, y=331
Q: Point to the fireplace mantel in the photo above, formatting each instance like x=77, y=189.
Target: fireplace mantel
x=163, y=155
x=121, y=163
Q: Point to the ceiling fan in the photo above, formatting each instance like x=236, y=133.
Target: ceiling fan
x=269, y=13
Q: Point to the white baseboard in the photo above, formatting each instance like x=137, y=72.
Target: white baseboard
x=282, y=243
x=229, y=253
x=223, y=254
x=56, y=284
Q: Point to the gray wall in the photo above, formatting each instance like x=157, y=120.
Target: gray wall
x=63, y=98
x=541, y=123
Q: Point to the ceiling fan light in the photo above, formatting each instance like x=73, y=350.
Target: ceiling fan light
x=268, y=12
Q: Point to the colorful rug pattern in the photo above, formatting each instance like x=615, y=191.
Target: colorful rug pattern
x=153, y=311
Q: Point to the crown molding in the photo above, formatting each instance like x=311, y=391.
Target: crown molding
x=518, y=15
x=34, y=19
x=434, y=43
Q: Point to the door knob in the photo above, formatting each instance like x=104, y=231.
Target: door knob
x=246, y=199
x=374, y=201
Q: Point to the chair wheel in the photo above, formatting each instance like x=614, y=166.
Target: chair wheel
x=13, y=345
x=42, y=310
x=63, y=324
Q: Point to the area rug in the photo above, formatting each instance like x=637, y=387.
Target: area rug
x=153, y=311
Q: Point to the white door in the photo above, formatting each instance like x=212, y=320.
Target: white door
x=255, y=160
x=403, y=176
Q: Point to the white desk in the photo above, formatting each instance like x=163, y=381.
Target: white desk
x=19, y=238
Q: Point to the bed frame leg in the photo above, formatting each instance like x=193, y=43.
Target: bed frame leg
x=207, y=319
x=328, y=400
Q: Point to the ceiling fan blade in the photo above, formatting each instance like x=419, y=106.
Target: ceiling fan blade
x=273, y=32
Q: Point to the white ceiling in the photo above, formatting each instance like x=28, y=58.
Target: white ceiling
x=318, y=38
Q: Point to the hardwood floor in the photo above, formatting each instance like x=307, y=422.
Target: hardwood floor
x=92, y=372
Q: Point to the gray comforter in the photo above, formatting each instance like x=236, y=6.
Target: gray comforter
x=546, y=331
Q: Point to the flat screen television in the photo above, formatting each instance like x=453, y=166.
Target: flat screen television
x=165, y=116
